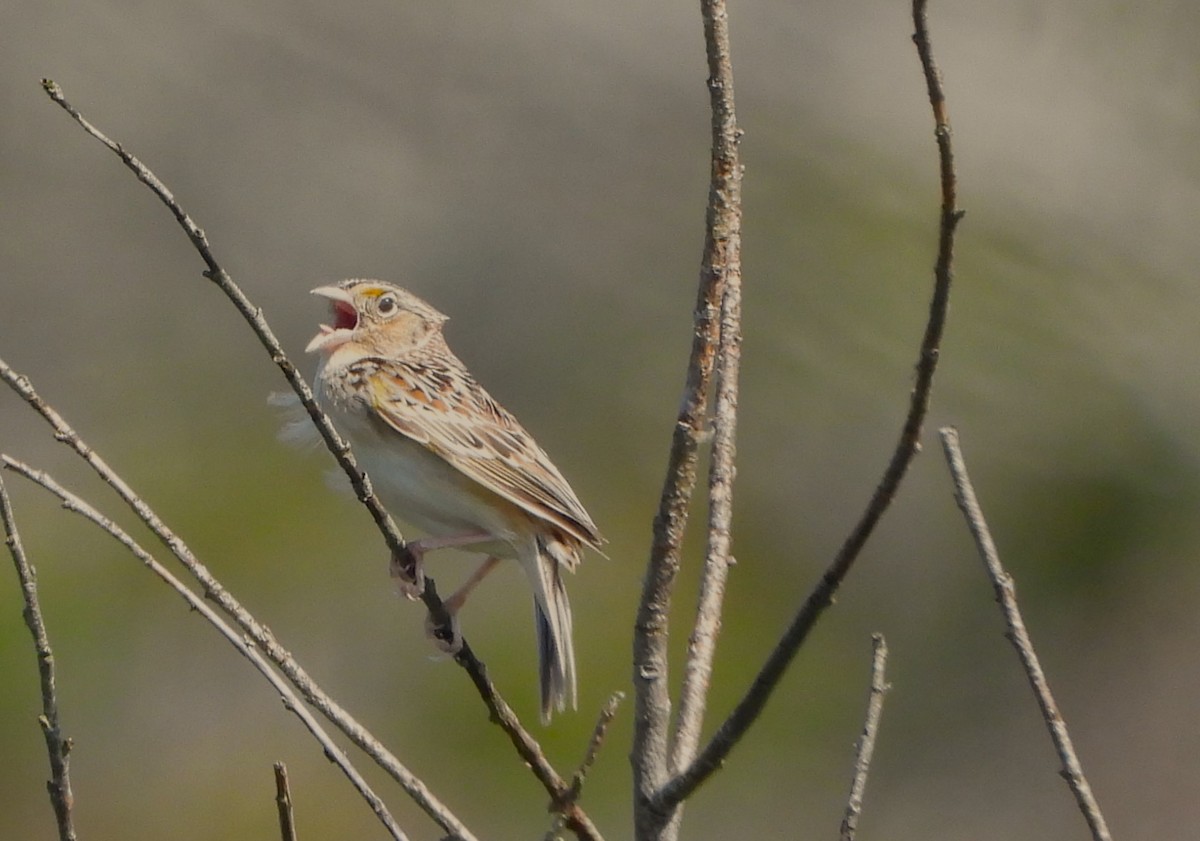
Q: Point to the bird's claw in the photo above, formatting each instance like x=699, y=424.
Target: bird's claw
x=408, y=572
x=446, y=637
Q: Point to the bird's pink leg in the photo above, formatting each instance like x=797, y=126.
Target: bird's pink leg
x=407, y=568
x=450, y=639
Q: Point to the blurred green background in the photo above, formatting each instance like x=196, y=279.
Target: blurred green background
x=538, y=170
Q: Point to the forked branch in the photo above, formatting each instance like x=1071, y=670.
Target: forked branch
x=717, y=309
x=746, y=712
x=723, y=250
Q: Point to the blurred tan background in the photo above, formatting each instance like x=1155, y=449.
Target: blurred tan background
x=538, y=170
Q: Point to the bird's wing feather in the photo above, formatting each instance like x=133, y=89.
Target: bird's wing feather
x=443, y=408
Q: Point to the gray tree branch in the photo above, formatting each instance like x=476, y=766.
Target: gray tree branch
x=1006, y=597
x=723, y=250
x=716, y=321
x=283, y=801
x=58, y=746
x=864, y=750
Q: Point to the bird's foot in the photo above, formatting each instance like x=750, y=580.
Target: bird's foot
x=407, y=569
x=446, y=637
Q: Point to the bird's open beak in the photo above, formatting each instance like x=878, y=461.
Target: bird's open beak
x=345, y=320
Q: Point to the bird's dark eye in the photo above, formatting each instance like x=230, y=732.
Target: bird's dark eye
x=386, y=305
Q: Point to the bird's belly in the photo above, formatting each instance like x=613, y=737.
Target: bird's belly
x=423, y=489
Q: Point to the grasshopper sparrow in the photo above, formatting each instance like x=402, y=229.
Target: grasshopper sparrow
x=448, y=458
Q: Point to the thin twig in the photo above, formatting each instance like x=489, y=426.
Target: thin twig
x=1006, y=596
x=720, y=261
x=340, y=449
x=58, y=747
x=865, y=748
x=607, y=713
x=748, y=709
x=283, y=800
x=246, y=648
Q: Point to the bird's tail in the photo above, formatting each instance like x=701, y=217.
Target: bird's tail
x=552, y=618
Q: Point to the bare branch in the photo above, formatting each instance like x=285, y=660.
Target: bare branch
x=720, y=265
x=652, y=697
x=607, y=713
x=442, y=816
x=254, y=316
x=702, y=643
x=748, y=709
x=283, y=800
x=561, y=798
x=1006, y=596
x=865, y=748
x=57, y=746
x=527, y=746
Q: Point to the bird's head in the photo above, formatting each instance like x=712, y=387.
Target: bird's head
x=380, y=318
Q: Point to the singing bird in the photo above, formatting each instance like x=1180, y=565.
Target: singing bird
x=446, y=457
